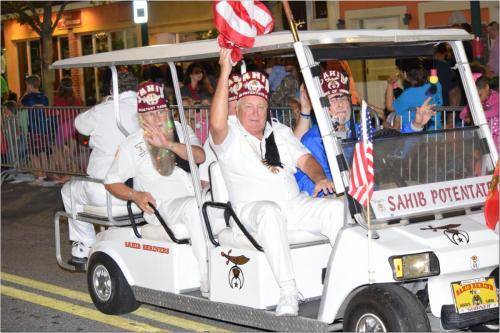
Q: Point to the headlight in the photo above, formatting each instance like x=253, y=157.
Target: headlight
x=413, y=266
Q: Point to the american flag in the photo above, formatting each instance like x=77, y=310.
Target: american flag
x=362, y=177
x=238, y=22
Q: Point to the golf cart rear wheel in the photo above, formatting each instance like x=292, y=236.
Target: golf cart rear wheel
x=108, y=288
x=385, y=308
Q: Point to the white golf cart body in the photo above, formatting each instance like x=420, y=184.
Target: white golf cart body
x=242, y=286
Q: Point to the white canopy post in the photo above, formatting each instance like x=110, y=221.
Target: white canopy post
x=116, y=100
x=195, y=176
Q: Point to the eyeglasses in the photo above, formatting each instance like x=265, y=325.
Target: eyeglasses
x=197, y=71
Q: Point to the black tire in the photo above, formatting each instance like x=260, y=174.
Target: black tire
x=396, y=308
x=118, y=298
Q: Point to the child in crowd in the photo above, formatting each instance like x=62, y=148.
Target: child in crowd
x=489, y=100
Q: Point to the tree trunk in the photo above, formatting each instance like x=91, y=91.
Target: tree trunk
x=47, y=52
x=47, y=73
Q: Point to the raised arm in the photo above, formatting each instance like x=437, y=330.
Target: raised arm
x=304, y=121
x=219, y=107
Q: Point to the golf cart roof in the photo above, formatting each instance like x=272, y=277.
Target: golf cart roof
x=277, y=41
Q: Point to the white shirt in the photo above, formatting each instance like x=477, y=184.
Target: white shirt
x=133, y=160
x=210, y=156
x=247, y=179
x=105, y=136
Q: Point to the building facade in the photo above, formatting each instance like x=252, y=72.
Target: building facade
x=93, y=27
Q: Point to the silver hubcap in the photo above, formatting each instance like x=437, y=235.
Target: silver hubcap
x=102, y=282
x=370, y=323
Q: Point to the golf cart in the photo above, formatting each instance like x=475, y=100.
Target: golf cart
x=424, y=260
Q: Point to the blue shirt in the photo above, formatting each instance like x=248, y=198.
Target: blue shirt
x=413, y=97
x=32, y=99
x=312, y=140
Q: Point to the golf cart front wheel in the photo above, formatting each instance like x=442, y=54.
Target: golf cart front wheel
x=108, y=288
x=385, y=308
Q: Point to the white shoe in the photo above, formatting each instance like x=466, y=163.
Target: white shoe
x=205, y=289
x=288, y=304
x=80, y=250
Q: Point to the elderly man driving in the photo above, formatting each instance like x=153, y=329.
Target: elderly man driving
x=258, y=158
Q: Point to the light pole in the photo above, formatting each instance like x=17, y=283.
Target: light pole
x=141, y=17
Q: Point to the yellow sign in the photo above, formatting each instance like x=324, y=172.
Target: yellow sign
x=475, y=295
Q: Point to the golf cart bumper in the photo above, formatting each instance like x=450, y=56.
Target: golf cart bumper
x=450, y=319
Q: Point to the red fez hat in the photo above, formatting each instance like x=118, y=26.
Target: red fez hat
x=235, y=85
x=254, y=83
x=335, y=82
x=150, y=97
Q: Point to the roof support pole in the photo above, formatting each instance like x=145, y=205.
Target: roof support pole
x=116, y=100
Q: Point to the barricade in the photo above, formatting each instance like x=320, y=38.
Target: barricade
x=43, y=139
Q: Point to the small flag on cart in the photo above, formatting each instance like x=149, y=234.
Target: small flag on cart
x=362, y=176
x=239, y=22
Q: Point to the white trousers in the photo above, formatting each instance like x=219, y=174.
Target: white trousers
x=270, y=221
x=84, y=193
x=185, y=210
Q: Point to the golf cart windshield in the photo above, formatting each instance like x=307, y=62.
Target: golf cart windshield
x=419, y=173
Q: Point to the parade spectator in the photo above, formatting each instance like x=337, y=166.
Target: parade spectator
x=196, y=84
x=4, y=88
x=490, y=103
x=66, y=137
x=447, y=76
x=287, y=89
x=493, y=59
x=38, y=144
x=142, y=156
x=100, y=124
x=255, y=154
x=417, y=92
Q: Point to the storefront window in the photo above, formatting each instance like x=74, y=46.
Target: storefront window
x=88, y=73
x=64, y=51
x=320, y=11
x=96, y=81
x=35, y=55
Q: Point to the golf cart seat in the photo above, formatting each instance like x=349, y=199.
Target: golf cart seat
x=239, y=270
x=157, y=232
x=119, y=213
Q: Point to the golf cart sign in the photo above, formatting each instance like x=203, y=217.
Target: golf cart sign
x=434, y=196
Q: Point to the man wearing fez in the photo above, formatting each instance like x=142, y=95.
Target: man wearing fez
x=156, y=158
x=258, y=158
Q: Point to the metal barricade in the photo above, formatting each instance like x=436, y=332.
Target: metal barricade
x=43, y=139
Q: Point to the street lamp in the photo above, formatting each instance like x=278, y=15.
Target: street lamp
x=141, y=17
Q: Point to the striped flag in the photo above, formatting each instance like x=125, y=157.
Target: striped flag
x=362, y=177
x=238, y=22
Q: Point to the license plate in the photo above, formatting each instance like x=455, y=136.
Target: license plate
x=475, y=295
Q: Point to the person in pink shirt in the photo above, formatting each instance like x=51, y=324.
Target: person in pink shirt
x=489, y=100
x=493, y=58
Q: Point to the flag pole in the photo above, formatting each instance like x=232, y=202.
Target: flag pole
x=291, y=21
x=370, y=271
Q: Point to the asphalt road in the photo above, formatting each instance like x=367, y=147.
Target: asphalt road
x=38, y=296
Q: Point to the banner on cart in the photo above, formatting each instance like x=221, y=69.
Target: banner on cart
x=392, y=203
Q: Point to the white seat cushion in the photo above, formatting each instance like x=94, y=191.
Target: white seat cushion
x=156, y=232
x=231, y=239
x=217, y=184
x=102, y=211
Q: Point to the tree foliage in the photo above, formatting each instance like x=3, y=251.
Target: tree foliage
x=38, y=15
